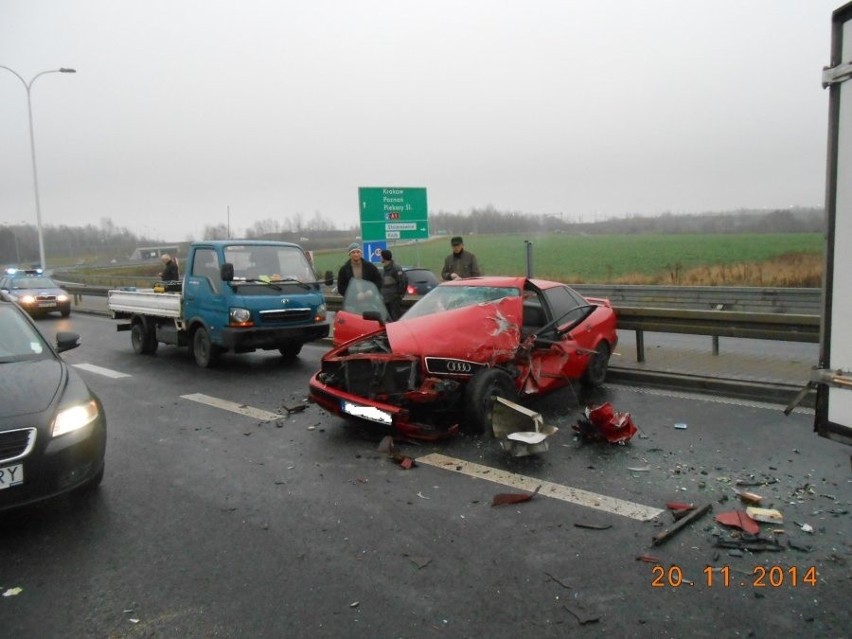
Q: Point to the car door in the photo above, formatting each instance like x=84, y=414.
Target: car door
x=361, y=296
x=575, y=335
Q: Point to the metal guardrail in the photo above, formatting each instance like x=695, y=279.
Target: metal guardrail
x=789, y=327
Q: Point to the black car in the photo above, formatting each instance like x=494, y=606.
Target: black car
x=52, y=427
x=35, y=292
x=420, y=280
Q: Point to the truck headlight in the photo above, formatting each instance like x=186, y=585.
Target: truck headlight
x=240, y=317
x=321, y=312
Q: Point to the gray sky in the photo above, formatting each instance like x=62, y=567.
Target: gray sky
x=181, y=109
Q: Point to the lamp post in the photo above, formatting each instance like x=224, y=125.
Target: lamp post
x=28, y=87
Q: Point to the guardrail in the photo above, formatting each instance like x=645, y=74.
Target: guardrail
x=766, y=325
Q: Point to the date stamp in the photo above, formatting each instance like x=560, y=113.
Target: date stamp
x=773, y=576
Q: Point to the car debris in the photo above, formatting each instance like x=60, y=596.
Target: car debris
x=521, y=431
x=748, y=497
x=765, y=515
x=388, y=446
x=506, y=499
x=750, y=543
x=739, y=519
x=682, y=523
x=604, y=423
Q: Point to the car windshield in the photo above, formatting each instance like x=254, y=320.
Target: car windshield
x=445, y=298
x=18, y=340
x=362, y=296
x=32, y=282
x=269, y=263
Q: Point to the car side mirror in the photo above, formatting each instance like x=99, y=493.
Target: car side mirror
x=373, y=316
x=329, y=278
x=226, y=272
x=66, y=340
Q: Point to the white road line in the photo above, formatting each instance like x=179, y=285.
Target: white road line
x=548, y=489
x=101, y=371
x=240, y=409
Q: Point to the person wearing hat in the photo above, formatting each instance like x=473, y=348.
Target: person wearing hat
x=394, y=285
x=460, y=263
x=170, y=272
x=356, y=266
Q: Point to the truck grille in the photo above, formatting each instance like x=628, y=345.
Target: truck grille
x=286, y=316
x=14, y=444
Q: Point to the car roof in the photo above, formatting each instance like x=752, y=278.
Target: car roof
x=503, y=280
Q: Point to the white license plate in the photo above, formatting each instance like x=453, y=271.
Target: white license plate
x=11, y=476
x=47, y=304
x=370, y=413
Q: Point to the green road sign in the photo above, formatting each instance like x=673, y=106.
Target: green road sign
x=392, y=213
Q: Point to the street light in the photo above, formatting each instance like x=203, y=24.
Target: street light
x=28, y=86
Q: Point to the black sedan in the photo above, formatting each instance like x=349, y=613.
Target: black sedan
x=52, y=427
x=420, y=280
x=35, y=292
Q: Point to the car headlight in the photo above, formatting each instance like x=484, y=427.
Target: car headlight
x=26, y=299
x=321, y=313
x=240, y=317
x=61, y=298
x=74, y=418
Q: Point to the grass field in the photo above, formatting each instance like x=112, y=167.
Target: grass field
x=783, y=259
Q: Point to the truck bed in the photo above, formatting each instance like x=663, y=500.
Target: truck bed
x=144, y=302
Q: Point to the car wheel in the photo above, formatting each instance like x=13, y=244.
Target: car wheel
x=65, y=312
x=595, y=372
x=143, y=339
x=290, y=351
x=478, y=398
x=202, y=348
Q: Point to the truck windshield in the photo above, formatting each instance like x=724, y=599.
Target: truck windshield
x=269, y=263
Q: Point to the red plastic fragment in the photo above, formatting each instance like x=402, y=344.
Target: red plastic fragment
x=739, y=519
x=676, y=505
x=603, y=423
x=504, y=499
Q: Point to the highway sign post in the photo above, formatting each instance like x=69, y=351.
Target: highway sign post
x=393, y=213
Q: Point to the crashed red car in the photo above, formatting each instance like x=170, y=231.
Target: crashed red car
x=437, y=368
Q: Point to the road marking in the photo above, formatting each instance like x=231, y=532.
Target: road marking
x=240, y=409
x=101, y=371
x=548, y=489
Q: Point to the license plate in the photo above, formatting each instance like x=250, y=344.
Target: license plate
x=11, y=476
x=47, y=304
x=370, y=413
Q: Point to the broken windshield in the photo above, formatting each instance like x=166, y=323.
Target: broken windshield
x=445, y=298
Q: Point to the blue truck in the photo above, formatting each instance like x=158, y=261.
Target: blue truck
x=235, y=296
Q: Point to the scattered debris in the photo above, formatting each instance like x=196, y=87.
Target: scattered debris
x=648, y=559
x=796, y=546
x=639, y=469
x=420, y=562
x=504, y=499
x=679, y=510
x=559, y=581
x=298, y=408
x=739, y=519
x=355, y=604
x=680, y=426
x=765, y=515
x=685, y=521
x=756, y=482
x=603, y=423
x=520, y=430
x=751, y=543
x=806, y=528
x=579, y=524
x=388, y=447
x=12, y=592
x=422, y=496
x=747, y=497
x=583, y=616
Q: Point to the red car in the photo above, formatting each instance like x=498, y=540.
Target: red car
x=437, y=368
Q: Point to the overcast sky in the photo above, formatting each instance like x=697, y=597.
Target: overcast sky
x=182, y=110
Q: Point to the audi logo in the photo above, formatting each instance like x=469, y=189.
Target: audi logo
x=459, y=367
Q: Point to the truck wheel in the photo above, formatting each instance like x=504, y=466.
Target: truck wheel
x=478, y=398
x=143, y=339
x=290, y=351
x=202, y=349
x=595, y=372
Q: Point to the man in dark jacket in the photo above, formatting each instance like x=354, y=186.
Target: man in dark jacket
x=356, y=266
x=394, y=285
x=460, y=263
x=170, y=272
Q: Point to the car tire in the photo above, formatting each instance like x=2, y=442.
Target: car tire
x=143, y=339
x=595, y=372
x=483, y=386
x=290, y=351
x=65, y=312
x=202, y=348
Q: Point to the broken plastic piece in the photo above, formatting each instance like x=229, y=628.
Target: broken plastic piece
x=504, y=499
x=749, y=498
x=680, y=426
x=766, y=515
x=603, y=423
x=688, y=519
x=739, y=519
x=520, y=430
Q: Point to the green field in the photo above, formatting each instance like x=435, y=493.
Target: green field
x=598, y=258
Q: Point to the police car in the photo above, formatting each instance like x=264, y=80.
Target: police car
x=35, y=292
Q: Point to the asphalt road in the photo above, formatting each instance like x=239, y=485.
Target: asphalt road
x=223, y=515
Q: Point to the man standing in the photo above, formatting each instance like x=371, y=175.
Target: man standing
x=460, y=263
x=394, y=284
x=170, y=272
x=358, y=268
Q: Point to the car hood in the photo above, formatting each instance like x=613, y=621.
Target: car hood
x=30, y=386
x=485, y=333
